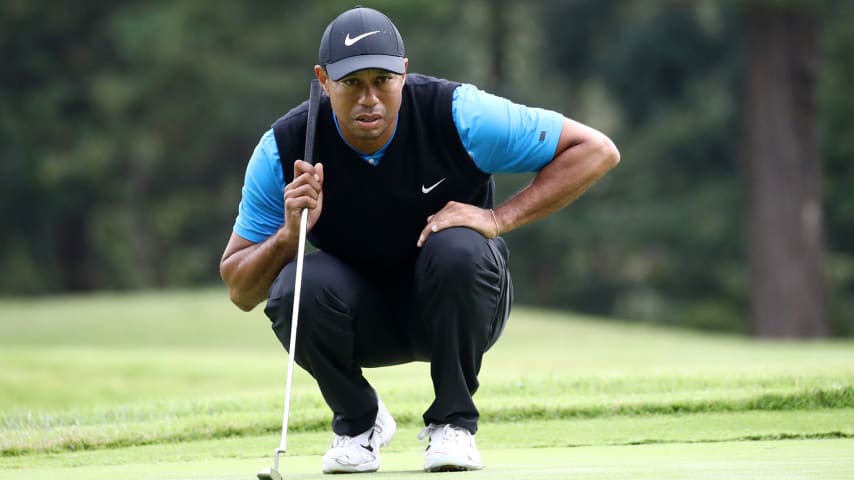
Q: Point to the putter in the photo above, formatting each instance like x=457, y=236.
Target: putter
x=311, y=126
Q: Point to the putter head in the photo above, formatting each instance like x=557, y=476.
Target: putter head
x=269, y=474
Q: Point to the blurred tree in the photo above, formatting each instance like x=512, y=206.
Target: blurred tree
x=660, y=238
x=784, y=172
x=673, y=72
x=836, y=122
x=125, y=127
x=54, y=155
x=498, y=40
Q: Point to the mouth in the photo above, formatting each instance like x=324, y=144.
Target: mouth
x=368, y=120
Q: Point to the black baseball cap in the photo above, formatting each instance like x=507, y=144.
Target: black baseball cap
x=361, y=38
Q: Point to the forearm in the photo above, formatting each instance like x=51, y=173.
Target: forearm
x=566, y=178
x=250, y=271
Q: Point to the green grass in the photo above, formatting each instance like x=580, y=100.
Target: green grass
x=116, y=380
x=798, y=459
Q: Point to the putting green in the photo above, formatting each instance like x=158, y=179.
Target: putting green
x=778, y=460
x=85, y=397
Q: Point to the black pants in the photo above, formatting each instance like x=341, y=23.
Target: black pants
x=451, y=312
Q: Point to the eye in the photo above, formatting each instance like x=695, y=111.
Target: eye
x=350, y=82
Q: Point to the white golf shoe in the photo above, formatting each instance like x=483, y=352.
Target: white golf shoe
x=362, y=452
x=384, y=426
x=449, y=449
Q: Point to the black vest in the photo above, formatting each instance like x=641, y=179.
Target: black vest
x=372, y=215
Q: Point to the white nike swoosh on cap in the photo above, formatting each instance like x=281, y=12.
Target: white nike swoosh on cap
x=426, y=190
x=352, y=41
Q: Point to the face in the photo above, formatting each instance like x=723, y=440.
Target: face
x=366, y=103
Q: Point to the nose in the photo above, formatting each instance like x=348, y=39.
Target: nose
x=368, y=98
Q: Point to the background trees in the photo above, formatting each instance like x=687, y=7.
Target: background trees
x=785, y=217
x=125, y=127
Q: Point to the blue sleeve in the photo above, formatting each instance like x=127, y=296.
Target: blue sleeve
x=262, y=206
x=502, y=136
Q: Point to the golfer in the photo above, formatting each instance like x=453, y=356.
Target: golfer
x=409, y=263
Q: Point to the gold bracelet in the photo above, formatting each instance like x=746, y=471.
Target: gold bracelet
x=494, y=220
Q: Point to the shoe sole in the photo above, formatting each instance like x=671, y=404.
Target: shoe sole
x=344, y=469
x=450, y=465
x=450, y=468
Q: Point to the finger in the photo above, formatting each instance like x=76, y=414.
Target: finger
x=309, y=179
x=433, y=224
x=447, y=210
x=422, y=237
x=294, y=206
x=301, y=190
x=303, y=181
x=432, y=227
x=302, y=167
x=318, y=172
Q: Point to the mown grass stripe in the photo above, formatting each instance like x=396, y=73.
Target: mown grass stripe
x=22, y=441
x=745, y=438
x=842, y=397
x=313, y=414
x=225, y=432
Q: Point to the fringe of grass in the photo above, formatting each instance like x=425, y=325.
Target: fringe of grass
x=747, y=438
x=842, y=397
x=24, y=435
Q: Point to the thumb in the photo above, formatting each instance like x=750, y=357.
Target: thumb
x=318, y=172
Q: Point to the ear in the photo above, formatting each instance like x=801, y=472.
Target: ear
x=405, y=69
x=321, y=75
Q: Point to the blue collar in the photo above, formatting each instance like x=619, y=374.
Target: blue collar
x=374, y=158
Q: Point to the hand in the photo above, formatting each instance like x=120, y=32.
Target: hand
x=305, y=191
x=456, y=214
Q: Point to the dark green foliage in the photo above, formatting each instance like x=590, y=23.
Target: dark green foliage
x=836, y=129
x=661, y=238
x=125, y=128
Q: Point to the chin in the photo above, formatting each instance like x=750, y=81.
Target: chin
x=371, y=134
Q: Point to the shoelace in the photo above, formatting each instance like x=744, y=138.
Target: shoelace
x=342, y=441
x=378, y=426
x=345, y=440
x=426, y=432
x=450, y=433
x=453, y=434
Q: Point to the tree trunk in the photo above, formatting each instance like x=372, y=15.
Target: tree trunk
x=786, y=244
x=499, y=31
x=74, y=253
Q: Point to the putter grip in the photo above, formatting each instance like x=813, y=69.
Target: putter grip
x=311, y=124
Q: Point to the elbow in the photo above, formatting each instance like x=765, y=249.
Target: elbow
x=609, y=154
x=236, y=295
x=240, y=301
x=245, y=307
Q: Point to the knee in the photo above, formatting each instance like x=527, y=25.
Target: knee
x=284, y=288
x=453, y=255
x=319, y=308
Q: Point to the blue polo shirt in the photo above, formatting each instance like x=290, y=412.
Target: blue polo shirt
x=499, y=135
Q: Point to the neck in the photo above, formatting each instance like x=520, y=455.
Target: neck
x=366, y=147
